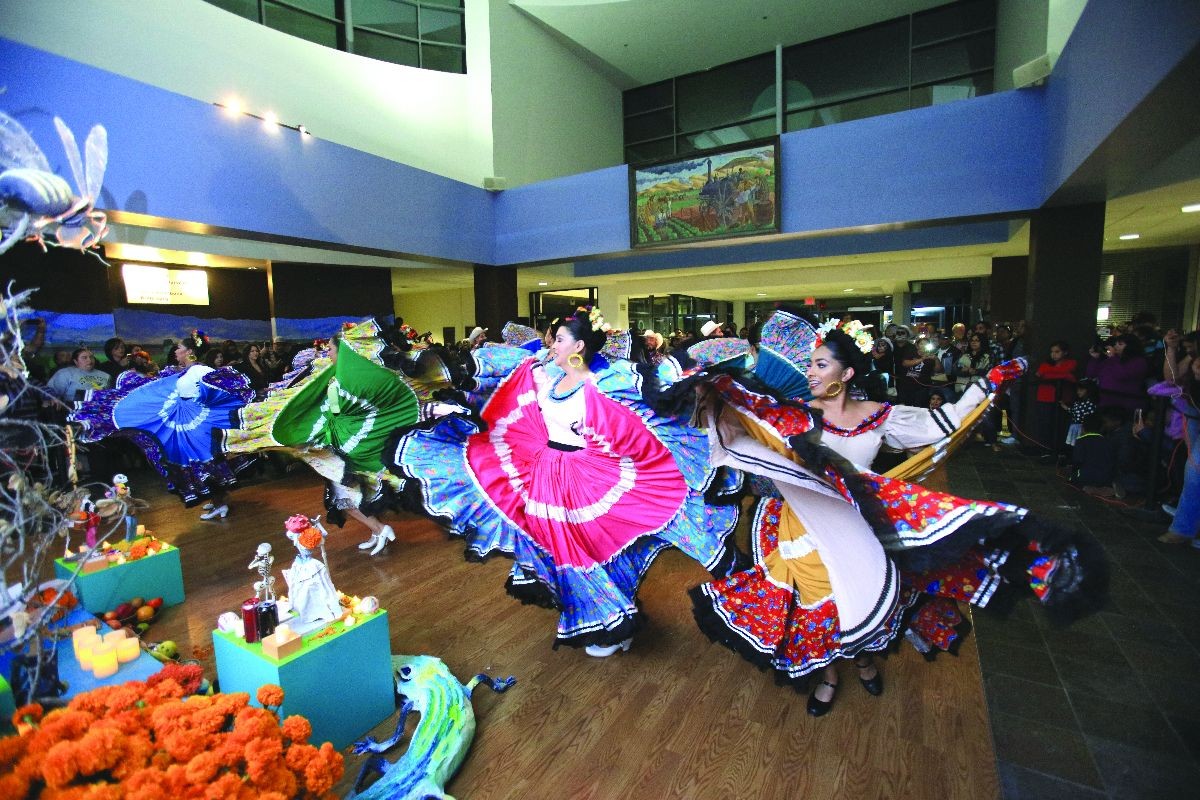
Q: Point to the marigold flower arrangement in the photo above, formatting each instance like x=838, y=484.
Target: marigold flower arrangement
x=146, y=741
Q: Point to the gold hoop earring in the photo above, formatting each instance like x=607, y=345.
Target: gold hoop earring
x=575, y=360
x=833, y=390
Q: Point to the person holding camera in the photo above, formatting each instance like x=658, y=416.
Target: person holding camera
x=915, y=362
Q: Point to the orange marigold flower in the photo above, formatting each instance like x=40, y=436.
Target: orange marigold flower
x=325, y=770
x=11, y=748
x=298, y=756
x=13, y=785
x=310, y=539
x=254, y=722
x=270, y=695
x=30, y=714
x=225, y=787
x=297, y=729
x=137, y=551
x=188, y=676
x=184, y=744
x=59, y=766
x=146, y=784
x=99, y=750
x=277, y=778
x=203, y=768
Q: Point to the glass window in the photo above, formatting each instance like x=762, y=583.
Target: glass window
x=649, y=98
x=441, y=26
x=385, y=48
x=650, y=151
x=444, y=3
x=953, y=20
x=861, y=62
x=443, y=58
x=301, y=25
x=243, y=8
x=326, y=8
x=649, y=126
x=731, y=134
x=725, y=94
x=386, y=15
x=949, y=91
x=954, y=58
x=853, y=109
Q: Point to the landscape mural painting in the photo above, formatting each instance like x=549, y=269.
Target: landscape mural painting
x=712, y=195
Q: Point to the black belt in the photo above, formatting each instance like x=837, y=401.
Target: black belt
x=566, y=448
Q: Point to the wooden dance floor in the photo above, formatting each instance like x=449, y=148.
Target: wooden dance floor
x=674, y=717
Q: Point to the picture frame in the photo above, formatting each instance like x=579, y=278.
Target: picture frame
x=723, y=193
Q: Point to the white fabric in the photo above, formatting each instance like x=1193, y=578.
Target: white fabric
x=864, y=580
x=188, y=385
x=562, y=416
x=311, y=591
x=906, y=428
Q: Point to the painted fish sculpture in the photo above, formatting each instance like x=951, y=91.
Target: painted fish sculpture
x=440, y=741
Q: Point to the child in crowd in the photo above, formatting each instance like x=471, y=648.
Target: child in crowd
x=1086, y=394
x=1055, y=377
x=1092, y=457
x=936, y=399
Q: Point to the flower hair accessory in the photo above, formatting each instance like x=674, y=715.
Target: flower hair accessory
x=297, y=523
x=197, y=338
x=861, y=334
x=594, y=317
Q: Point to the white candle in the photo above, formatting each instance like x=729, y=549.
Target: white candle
x=104, y=660
x=128, y=650
x=83, y=636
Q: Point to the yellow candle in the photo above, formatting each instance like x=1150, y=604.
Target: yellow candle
x=81, y=636
x=112, y=637
x=83, y=653
x=128, y=650
x=104, y=660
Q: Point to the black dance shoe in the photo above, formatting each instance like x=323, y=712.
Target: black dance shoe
x=874, y=686
x=817, y=707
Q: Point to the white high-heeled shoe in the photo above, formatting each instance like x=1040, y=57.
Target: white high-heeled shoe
x=369, y=544
x=604, y=651
x=207, y=507
x=219, y=511
x=385, y=535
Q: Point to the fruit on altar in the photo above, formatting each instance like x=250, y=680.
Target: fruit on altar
x=155, y=603
x=137, y=602
x=145, y=613
x=165, y=651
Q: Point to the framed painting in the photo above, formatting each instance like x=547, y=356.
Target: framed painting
x=715, y=194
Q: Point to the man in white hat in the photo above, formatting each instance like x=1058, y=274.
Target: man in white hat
x=710, y=329
x=477, y=338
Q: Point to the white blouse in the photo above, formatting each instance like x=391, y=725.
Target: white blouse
x=563, y=412
x=900, y=428
x=188, y=385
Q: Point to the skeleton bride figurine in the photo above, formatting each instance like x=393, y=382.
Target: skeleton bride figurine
x=313, y=598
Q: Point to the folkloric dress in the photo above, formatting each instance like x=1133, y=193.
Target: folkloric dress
x=336, y=417
x=172, y=418
x=581, y=488
x=845, y=558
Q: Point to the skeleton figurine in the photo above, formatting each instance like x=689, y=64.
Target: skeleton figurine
x=263, y=561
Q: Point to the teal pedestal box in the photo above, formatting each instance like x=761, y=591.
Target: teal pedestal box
x=341, y=682
x=158, y=575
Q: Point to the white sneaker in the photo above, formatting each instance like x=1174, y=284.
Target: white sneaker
x=604, y=651
x=219, y=512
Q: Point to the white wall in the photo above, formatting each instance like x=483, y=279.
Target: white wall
x=431, y=120
x=552, y=113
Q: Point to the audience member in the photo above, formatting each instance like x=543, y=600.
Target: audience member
x=1120, y=371
x=1092, y=457
x=1084, y=405
x=117, y=355
x=1056, y=376
x=71, y=383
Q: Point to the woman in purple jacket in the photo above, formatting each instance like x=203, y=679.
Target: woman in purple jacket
x=1122, y=374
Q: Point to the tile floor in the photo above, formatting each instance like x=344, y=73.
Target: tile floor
x=1109, y=707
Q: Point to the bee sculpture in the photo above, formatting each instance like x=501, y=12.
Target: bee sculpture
x=38, y=205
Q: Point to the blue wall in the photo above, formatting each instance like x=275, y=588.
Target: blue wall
x=175, y=157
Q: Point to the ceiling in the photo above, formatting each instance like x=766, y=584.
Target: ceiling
x=644, y=41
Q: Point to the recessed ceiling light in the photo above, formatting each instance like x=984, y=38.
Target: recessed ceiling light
x=762, y=294
x=543, y=283
x=1194, y=207
x=846, y=291
x=1125, y=237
